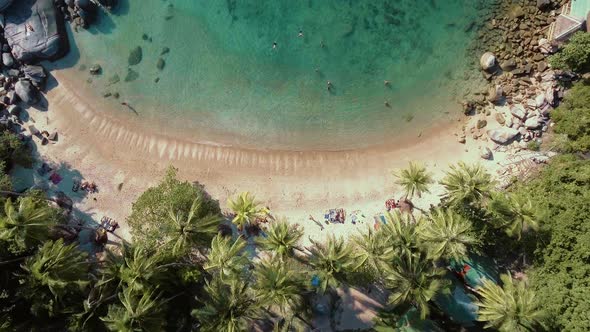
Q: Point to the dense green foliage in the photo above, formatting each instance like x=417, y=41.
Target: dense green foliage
x=561, y=269
x=575, y=55
x=572, y=119
x=414, y=180
x=162, y=213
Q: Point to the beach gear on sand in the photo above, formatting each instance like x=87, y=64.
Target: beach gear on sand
x=109, y=224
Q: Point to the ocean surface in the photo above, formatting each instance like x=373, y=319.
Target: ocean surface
x=255, y=73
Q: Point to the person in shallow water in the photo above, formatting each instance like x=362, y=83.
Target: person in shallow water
x=300, y=33
x=329, y=86
x=274, y=45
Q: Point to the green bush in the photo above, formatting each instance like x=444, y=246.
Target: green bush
x=150, y=220
x=13, y=151
x=575, y=55
x=561, y=269
x=572, y=118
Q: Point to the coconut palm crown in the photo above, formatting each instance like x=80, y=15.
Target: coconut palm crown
x=514, y=213
x=246, y=208
x=414, y=180
x=191, y=229
x=281, y=238
x=447, y=235
x=466, y=184
x=26, y=224
x=511, y=308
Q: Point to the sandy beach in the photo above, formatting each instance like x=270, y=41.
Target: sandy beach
x=118, y=153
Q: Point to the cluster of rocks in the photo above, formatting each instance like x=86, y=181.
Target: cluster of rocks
x=519, y=77
x=82, y=13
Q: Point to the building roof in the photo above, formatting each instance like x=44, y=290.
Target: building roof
x=564, y=26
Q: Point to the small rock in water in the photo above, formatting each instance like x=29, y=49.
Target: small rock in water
x=135, y=56
x=144, y=37
x=132, y=75
x=161, y=64
x=114, y=79
x=96, y=69
x=116, y=95
x=165, y=50
x=156, y=80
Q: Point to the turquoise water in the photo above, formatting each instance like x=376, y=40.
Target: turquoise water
x=224, y=80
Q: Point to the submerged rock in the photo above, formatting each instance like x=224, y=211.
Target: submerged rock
x=161, y=64
x=502, y=135
x=4, y=4
x=96, y=69
x=132, y=75
x=135, y=56
x=34, y=30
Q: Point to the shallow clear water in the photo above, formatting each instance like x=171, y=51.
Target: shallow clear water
x=223, y=77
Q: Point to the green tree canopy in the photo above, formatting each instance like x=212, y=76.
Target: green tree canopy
x=150, y=219
x=575, y=55
x=572, y=118
x=281, y=238
x=466, y=184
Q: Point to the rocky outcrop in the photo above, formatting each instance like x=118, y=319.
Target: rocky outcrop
x=502, y=135
x=4, y=4
x=34, y=31
x=36, y=74
x=26, y=92
x=488, y=61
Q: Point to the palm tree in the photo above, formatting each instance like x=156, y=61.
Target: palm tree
x=27, y=224
x=228, y=307
x=226, y=258
x=136, y=312
x=278, y=284
x=447, y=235
x=191, y=229
x=515, y=213
x=281, y=238
x=465, y=184
x=511, y=308
x=330, y=261
x=414, y=281
x=373, y=250
x=61, y=268
x=141, y=268
x=401, y=233
x=247, y=209
x=414, y=180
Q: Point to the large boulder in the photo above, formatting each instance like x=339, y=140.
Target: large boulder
x=36, y=74
x=518, y=112
x=502, y=135
x=488, y=61
x=34, y=31
x=542, y=4
x=26, y=92
x=4, y=4
x=533, y=122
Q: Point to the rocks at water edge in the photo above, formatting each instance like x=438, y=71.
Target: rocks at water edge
x=502, y=135
x=486, y=154
x=135, y=56
x=161, y=64
x=26, y=92
x=7, y=59
x=518, y=112
x=488, y=61
x=36, y=74
x=34, y=30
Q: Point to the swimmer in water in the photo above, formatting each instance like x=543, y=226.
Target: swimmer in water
x=300, y=33
x=274, y=45
x=322, y=45
x=329, y=86
x=386, y=83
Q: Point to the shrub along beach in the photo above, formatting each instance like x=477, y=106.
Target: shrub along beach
x=108, y=223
